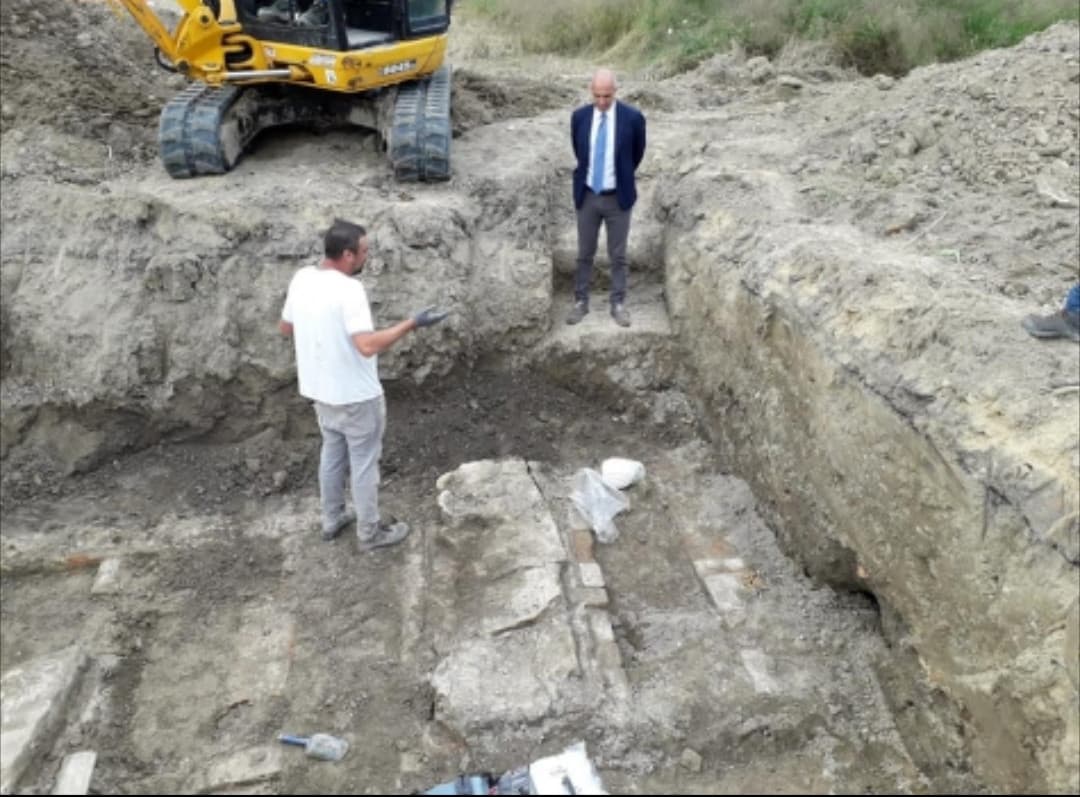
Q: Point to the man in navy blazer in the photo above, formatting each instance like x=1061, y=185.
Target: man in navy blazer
x=609, y=141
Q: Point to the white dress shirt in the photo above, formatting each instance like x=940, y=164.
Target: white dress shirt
x=609, y=149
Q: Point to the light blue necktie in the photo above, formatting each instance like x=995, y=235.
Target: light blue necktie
x=599, y=153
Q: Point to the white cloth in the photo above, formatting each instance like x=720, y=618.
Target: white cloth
x=326, y=308
x=609, y=149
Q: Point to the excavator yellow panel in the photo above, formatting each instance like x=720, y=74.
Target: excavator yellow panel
x=360, y=70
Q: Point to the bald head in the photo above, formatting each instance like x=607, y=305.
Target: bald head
x=603, y=89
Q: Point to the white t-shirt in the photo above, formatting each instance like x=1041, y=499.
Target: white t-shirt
x=325, y=308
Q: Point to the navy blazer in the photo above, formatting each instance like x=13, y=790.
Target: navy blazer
x=629, y=150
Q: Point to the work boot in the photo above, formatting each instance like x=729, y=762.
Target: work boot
x=333, y=531
x=316, y=16
x=578, y=312
x=620, y=314
x=1061, y=324
x=385, y=534
x=278, y=11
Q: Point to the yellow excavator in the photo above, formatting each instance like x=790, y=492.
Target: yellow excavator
x=255, y=64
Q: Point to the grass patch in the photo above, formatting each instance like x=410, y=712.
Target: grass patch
x=891, y=36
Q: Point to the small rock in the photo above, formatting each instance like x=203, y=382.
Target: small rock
x=1053, y=194
x=760, y=69
x=280, y=477
x=862, y=148
x=884, y=82
x=790, y=81
x=1053, y=150
x=690, y=760
x=907, y=146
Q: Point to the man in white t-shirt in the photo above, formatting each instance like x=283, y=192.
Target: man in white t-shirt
x=327, y=314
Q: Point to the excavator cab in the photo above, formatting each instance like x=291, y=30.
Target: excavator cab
x=343, y=24
x=254, y=64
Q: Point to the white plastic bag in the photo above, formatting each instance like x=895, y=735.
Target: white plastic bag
x=621, y=473
x=598, y=503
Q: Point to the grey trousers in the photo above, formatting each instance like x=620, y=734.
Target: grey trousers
x=352, y=436
x=594, y=211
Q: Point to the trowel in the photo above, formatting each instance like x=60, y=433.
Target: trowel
x=322, y=746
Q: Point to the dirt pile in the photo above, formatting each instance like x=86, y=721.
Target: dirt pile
x=81, y=91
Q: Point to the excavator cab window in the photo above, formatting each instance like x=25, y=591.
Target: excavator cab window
x=370, y=22
x=343, y=24
x=427, y=17
x=311, y=23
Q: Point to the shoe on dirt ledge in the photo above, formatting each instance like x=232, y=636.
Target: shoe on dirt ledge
x=336, y=529
x=620, y=314
x=1062, y=324
x=578, y=312
x=385, y=534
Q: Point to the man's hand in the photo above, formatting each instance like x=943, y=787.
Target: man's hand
x=430, y=315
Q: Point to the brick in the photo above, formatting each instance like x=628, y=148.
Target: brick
x=582, y=541
x=591, y=574
x=107, y=581
x=591, y=597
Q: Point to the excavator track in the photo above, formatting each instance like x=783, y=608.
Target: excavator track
x=419, y=140
x=206, y=129
x=195, y=135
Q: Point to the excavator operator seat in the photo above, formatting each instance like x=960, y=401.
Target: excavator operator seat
x=368, y=22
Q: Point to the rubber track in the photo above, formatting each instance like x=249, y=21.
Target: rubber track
x=189, y=133
x=420, y=133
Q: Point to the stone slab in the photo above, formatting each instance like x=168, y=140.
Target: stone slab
x=252, y=765
x=75, y=773
x=262, y=653
x=33, y=696
x=723, y=589
x=519, y=599
x=512, y=678
x=498, y=502
x=757, y=665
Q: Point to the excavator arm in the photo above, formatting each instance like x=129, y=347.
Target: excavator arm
x=202, y=43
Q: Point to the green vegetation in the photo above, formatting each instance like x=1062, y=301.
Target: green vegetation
x=891, y=36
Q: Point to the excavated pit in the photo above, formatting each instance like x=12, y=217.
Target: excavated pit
x=210, y=618
x=852, y=565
